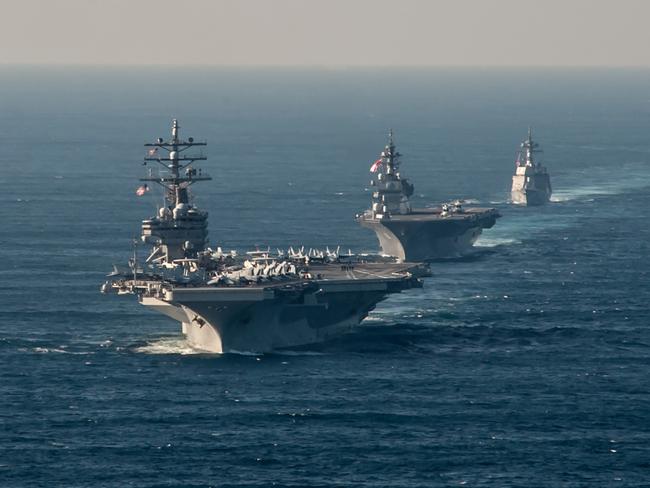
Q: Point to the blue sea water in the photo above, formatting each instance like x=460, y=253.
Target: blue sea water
x=524, y=365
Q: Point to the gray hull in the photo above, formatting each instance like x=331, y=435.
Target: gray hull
x=531, y=198
x=537, y=191
x=425, y=237
x=261, y=320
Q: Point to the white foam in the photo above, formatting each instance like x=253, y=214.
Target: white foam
x=242, y=353
x=495, y=242
x=169, y=345
x=584, y=192
x=636, y=176
x=373, y=318
x=45, y=350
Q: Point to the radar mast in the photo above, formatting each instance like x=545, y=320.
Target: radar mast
x=179, y=231
x=175, y=161
x=528, y=150
x=392, y=192
x=390, y=156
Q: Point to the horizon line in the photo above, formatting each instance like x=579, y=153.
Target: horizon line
x=321, y=67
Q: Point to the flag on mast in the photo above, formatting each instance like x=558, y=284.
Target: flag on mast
x=375, y=166
x=142, y=190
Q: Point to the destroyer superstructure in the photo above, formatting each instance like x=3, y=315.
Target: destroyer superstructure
x=531, y=183
x=421, y=234
x=258, y=302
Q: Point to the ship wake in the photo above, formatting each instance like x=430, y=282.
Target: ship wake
x=585, y=193
x=636, y=177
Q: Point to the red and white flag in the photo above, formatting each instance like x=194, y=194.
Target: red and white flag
x=375, y=166
x=152, y=151
x=142, y=190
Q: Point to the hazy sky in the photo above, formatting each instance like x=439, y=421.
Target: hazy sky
x=327, y=32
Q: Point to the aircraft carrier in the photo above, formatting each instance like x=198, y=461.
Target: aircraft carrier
x=257, y=302
x=418, y=234
x=531, y=183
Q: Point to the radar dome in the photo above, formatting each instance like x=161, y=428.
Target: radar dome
x=180, y=210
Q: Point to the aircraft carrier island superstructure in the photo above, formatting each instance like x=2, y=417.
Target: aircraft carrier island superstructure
x=418, y=234
x=256, y=302
x=531, y=183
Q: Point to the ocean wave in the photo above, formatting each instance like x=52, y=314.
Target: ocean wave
x=374, y=317
x=297, y=352
x=584, y=192
x=180, y=346
x=420, y=338
x=636, y=176
x=243, y=353
x=495, y=241
x=169, y=345
x=59, y=350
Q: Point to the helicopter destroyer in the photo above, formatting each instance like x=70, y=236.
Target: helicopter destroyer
x=531, y=183
x=258, y=302
x=422, y=234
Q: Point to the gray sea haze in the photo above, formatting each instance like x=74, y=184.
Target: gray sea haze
x=524, y=365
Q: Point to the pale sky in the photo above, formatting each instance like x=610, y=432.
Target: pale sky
x=327, y=32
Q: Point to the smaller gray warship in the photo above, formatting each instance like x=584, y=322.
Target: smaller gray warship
x=257, y=302
x=423, y=234
x=531, y=183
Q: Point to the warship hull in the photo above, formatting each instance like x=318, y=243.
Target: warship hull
x=530, y=198
x=526, y=194
x=265, y=318
x=425, y=235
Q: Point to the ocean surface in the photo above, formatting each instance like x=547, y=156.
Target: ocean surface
x=524, y=365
